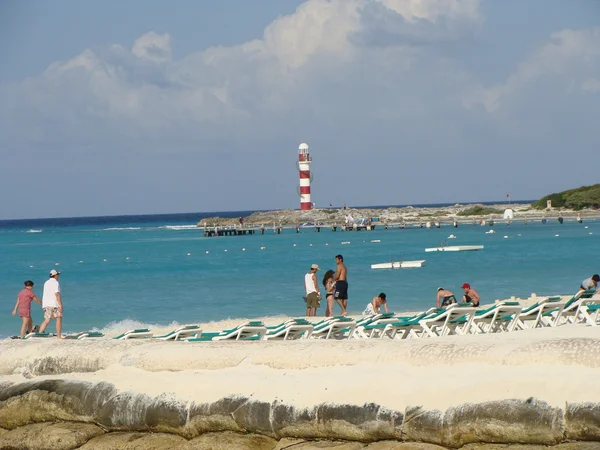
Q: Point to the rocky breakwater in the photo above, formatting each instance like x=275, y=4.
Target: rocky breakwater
x=393, y=215
x=474, y=392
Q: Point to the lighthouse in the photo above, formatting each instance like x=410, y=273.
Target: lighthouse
x=305, y=176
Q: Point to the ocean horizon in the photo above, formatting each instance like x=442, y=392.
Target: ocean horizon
x=186, y=216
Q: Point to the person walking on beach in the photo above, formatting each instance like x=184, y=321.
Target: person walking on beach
x=444, y=298
x=52, y=303
x=377, y=302
x=590, y=283
x=471, y=296
x=313, y=295
x=23, y=305
x=341, y=284
x=329, y=285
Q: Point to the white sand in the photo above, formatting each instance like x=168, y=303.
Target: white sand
x=551, y=364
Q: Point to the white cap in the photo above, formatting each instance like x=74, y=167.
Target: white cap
x=54, y=272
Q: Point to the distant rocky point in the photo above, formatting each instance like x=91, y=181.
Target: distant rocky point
x=394, y=215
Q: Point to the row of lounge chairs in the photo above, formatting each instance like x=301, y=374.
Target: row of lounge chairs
x=457, y=319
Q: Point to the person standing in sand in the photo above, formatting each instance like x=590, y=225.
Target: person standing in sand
x=341, y=284
x=444, y=298
x=329, y=285
x=377, y=302
x=313, y=295
x=24, y=299
x=471, y=296
x=52, y=303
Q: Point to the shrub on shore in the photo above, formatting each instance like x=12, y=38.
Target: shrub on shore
x=479, y=211
x=582, y=197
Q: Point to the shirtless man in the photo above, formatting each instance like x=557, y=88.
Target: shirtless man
x=377, y=302
x=471, y=295
x=341, y=284
x=444, y=298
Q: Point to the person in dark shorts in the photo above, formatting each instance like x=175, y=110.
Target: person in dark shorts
x=341, y=284
x=471, y=296
x=444, y=298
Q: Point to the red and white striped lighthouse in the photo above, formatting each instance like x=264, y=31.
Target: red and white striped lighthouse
x=305, y=176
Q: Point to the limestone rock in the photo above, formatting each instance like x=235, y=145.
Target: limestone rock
x=50, y=400
x=318, y=445
x=2, y=431
x=48, y=436
x=421, y=425
x=583, y=421
x=132, y=412
x=565, y=446
x=214, y=417
x=392, y=445
x=230, y=441
x=292, y=422
x=288, y=443
x=506, y=421
x=369, y=422
x=134, y=441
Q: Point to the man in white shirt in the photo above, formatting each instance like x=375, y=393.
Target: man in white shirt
x=313, y=294
x=52, y=303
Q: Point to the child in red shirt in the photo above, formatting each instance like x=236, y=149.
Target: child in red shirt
x=23, y=304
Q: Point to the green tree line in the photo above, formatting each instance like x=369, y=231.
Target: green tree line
x=582, y=197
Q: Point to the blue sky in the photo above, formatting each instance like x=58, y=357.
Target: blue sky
x=144, y=107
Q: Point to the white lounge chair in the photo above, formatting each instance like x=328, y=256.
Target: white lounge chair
x=83, y=335
x=590, y=311
x=139, y=333
x=531, y=317
x=181, y=333
x=391, y=327
x=455, y=319
x=297, y=329
x=502, y=316
x=574, y=311
x=337, y=328
x=246, y=331
x=36, y=335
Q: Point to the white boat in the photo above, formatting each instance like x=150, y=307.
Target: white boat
x=455, y=248
x=399, y=265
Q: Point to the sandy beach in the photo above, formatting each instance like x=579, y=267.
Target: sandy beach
x=529, y=384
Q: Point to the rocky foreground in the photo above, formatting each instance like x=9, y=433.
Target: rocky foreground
x=526, y=390
x=393, y=215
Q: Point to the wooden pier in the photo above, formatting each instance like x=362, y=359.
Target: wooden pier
x=246, y=230
x=231, y=230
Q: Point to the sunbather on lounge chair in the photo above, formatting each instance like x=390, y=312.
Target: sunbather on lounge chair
x=375, y=304
x=444, y=298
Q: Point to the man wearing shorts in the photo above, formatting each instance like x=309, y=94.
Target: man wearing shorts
x=444, y=298
x=313, y=295
x=52, y=303
x=341, y=284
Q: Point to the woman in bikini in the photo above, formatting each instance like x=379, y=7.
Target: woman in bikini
x=329, y=284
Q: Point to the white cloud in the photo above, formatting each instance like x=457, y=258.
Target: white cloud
x=154, y=47
x=144, y=92
x=591, y=85
x=570, y=56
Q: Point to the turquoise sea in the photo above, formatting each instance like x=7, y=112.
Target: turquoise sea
x=119, y=272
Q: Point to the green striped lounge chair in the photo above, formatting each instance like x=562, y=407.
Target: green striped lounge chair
x=138, y=333
x=181, y=333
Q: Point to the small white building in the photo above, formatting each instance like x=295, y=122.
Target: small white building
x=509, y=214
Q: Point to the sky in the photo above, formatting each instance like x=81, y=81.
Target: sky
x=145, y=106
